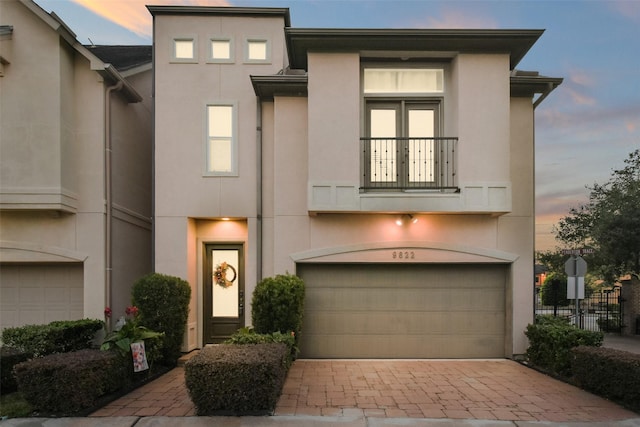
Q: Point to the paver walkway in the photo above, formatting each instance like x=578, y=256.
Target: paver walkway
x=454, y=389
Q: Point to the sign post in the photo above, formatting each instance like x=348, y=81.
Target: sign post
x=576, y=268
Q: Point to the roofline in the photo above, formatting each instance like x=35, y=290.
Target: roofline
x=515, y=42
x=264, y=12
x=267, y=87
x=529, y=86
x=95, y=64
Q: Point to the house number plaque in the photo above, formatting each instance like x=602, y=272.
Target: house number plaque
x=403, y=255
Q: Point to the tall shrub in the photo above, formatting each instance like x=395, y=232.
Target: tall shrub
x=163, y=302
x=278, y=305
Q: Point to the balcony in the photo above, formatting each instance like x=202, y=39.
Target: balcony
x=408, y=164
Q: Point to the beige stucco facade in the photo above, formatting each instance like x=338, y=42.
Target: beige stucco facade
x=297, y=199
x=58, y=123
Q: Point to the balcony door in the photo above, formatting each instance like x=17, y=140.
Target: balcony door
x=403, y=151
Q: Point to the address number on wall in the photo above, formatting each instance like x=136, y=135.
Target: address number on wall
x=403, y=255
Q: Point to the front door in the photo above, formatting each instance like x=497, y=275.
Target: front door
x=223, y=291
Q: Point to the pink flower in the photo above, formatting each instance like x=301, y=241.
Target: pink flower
x=132, y=311
x=107, y=312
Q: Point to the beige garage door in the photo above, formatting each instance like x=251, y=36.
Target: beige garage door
x=403, y=311
x=41, y=293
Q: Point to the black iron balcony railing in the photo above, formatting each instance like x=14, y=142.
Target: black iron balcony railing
x=404, y=164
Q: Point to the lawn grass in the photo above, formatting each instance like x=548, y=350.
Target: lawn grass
x=13, y=405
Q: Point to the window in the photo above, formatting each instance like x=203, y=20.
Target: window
x=257, y=50
x=402, y=146
x=184, y=50
x=220, y=50
x=221, y=146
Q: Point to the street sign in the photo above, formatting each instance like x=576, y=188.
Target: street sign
x=571, y=288
x=575, y=266
x=582, y=251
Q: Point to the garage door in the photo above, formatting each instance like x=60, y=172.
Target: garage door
x=42, y=293
x=403, y=311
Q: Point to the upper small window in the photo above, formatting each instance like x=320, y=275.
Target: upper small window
x=220, y=50
x=257, y=50
x=184, y=50
x=403, y=80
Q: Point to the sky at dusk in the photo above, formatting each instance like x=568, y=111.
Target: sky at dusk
x=584, y=129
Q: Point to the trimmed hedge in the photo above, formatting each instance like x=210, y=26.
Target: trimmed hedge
x=246, y=336
x=278, y=305
x=66, y=384
x=237, y=379
x=9, y=357
x=61, y=336
x=163, y=302
x=609, y=373
x=551, y=340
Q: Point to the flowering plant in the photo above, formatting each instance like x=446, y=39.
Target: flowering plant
x=126, y=332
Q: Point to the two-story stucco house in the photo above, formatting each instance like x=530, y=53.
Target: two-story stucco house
x=393, y=170
x=75, y=170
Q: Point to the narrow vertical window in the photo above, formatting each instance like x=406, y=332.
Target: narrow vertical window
x=221, y=158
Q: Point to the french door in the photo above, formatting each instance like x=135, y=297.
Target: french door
x=403, y=151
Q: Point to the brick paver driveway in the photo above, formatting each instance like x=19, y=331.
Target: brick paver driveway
x=458, y=389
x=462, y=389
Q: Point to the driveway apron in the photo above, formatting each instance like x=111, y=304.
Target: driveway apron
x=453, y=389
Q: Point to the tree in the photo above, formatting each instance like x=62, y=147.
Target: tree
x=609, y=221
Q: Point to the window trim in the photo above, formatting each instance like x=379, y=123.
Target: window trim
x=250, y=40
x=211, y=59
x=234, y=140
x=175, y=59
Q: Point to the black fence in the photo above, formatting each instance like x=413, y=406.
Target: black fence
x=600, y=311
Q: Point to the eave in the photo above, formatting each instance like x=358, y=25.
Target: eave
x=531, y=84
x=266, y=87
x=259, y=12
x=418, y=42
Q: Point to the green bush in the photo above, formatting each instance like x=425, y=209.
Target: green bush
x=246, y=336
x=554, y=290
x=56, y=337
x=609, y=373
x=66, y=384
x=551, y=340
x=10, y=357
x=237, y=379
x=278, y=305
x=163, y=302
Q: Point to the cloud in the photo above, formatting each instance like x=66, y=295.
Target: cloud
x=133, y=15
x=628, y=9
x=456, y=19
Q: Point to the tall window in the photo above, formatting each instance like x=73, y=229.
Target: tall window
x=402, y=124
x=221, y=145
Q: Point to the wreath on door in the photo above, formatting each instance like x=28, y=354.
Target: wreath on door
x=220, y=275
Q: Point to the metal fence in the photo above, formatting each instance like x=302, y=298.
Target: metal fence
x=600, y=311
x=404, y=164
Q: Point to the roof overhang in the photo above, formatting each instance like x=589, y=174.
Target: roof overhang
x=530, y=84
x=266, y=87
x=260, y=12
x=408, y=42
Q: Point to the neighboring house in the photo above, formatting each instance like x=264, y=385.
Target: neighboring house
x=75, y=170
x=392, y=169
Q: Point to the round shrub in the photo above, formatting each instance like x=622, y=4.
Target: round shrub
x=554, y=290
x=278, y=305
x=163, y=302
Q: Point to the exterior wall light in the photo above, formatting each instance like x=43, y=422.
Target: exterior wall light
x=406, y=219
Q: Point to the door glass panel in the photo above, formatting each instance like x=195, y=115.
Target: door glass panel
x=383, y=151
x=225, y=298
x=421, y=150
